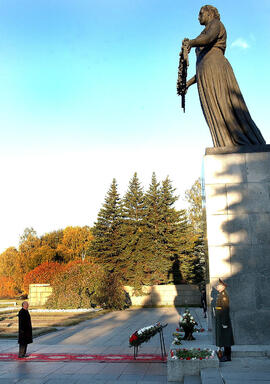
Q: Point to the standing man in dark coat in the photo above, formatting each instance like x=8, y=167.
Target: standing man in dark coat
x=25, y=330
x=224, y=334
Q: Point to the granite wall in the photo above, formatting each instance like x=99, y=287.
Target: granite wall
x=38, y=294
x=237, y=189
x=178, y=295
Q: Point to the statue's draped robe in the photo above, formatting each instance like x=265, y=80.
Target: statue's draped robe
x=222, y=103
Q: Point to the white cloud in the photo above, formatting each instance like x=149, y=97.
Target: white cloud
x=240, y=43
x=252, y=37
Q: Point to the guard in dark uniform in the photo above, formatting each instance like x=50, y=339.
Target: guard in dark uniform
x=224, y=333
x=25, y=330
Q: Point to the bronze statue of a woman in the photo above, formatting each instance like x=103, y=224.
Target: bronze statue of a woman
x=222, y=102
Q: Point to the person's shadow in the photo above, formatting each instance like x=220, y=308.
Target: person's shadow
x=177, y=279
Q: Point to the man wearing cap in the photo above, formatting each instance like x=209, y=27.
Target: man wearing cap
x=224, y=334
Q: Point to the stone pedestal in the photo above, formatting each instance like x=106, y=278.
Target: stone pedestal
x=178, y=369
x=237, y=189
x=39, y=294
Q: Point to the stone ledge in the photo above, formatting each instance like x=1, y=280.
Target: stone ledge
x=251, y=351
x=178, y=369
x=237, y=149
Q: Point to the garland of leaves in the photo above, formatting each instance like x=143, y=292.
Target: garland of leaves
x=144, y=334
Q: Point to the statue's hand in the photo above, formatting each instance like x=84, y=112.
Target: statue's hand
x=186, y=44
x=186, y=47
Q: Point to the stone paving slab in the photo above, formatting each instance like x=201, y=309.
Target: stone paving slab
x=211, y=376
x=238, y=381
x=192, y=380
x=109, y=334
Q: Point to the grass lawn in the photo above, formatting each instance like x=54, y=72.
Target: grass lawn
x=43, y=322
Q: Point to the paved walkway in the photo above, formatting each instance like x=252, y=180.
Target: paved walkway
x=103, y=335
x=109, y=334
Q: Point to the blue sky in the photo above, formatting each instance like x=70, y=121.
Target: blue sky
x=88, y=93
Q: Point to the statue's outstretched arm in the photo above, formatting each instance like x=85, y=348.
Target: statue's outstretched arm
x=191, y=81
x=208, y=35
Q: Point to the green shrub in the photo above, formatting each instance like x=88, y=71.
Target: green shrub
x=76, y=286
x=84, y=284
x=111, y=293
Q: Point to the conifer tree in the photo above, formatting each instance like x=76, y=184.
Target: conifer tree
x=197, y=219
x=177, y=237
x=169, y=235
x=132, y=258
x=155, y=270
x=106, y=246
x=173, y=225
x=163, y=235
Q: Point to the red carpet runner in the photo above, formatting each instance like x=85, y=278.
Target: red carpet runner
x=143, y=358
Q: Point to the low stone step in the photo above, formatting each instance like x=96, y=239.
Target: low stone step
x=260, y=352
x=211, y=376
x=192, y=380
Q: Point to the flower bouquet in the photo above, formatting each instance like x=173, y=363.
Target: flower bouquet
x=144, y=334
x=188, y=324
x=177, y=337
x=183, y=362
x=192, y=354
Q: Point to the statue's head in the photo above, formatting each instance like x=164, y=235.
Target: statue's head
x=212, y=11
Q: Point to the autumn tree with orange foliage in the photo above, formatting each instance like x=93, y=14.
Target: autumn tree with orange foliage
x=12, y=267
x=75, y=243
x=43, y=274
x=59, y=246
x=8, y=261
x=28, y=248
x=7, y=287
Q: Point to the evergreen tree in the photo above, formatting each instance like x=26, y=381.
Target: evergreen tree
x=132, y=257
x=177, y=238
x=174, y=230
x=170, y=239
x=106, y=246
x=165, y=233
x=197, y=219
x=155, y=264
